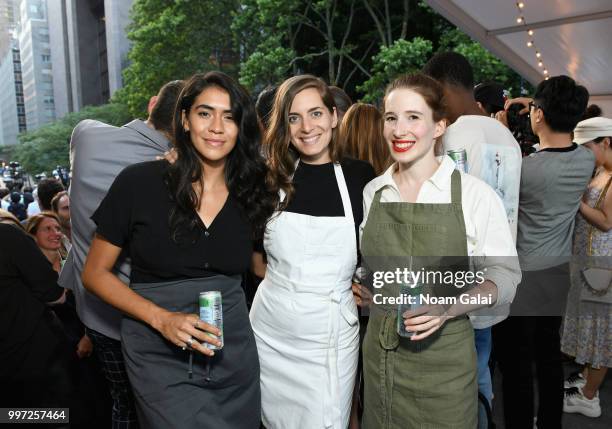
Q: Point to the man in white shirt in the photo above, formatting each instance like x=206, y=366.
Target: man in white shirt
x=493, y=155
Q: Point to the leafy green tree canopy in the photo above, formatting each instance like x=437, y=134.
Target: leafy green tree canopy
x=173, y=39
x=401, y=57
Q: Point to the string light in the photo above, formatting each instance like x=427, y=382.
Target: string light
x=530, y=41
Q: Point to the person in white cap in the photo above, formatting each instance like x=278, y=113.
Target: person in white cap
x=587, y=333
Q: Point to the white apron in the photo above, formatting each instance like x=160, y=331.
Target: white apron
x=305, y=319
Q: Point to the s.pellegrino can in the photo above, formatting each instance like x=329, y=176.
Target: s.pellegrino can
x=211, y=312
x=460, y=158
x=410, y=300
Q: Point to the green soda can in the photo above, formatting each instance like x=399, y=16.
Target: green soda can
x=460, y=158
x=211, y=312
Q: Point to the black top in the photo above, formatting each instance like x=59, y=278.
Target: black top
x=27, y=282
x=135, y=215
x=317, y=192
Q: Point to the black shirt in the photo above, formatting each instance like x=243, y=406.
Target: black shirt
x=135, y=216
x=317, y=192
x=27, y=282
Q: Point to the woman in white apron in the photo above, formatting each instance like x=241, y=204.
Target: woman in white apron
x=304, y=315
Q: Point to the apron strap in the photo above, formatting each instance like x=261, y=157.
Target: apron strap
x=377, y=196
x=456, y=187
x=344, y=193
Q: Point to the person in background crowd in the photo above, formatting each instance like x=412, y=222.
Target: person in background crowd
x=4, y=196
x=362, y=138
x=33, y=207
x=490, y=98
x=27, y=195
x=553, y=180
x=308, y=351
x=17, y=207
x=98, y=152
x=265, y=101
x=189, y=227
x=593, y=111
x=494, y=156
x=34, y=371
x=587, y=326
x=60, y=205
x=46, y=190
x=46, y=230
x=342, y=101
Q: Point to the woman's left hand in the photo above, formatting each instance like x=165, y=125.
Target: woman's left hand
x=425, y=320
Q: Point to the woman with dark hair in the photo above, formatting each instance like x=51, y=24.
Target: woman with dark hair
x=189, y=228
x=361, y=134
x=419, y=361
x=304, y=315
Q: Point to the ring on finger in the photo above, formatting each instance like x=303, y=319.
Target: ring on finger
x=189, y=342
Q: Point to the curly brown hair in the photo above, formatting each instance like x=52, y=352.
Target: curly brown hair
x=280, y=153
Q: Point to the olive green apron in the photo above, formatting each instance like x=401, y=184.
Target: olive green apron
x=429, y=383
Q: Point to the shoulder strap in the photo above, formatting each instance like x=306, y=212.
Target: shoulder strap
x=599, y=202
x=456, y=187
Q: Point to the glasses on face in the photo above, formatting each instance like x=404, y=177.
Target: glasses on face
x=535, y=106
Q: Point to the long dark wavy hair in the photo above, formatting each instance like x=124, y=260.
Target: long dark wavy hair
x=245, y=169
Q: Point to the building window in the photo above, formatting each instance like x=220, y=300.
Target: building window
x=46, y=58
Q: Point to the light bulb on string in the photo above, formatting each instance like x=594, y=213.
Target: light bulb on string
x=530, y=32
x=540, y=64
x=545, y=71
x=519, y=19
x=520, y=5
x=538, y=54
x=530, y=43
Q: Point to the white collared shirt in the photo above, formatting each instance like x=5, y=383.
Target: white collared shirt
x=486, y=225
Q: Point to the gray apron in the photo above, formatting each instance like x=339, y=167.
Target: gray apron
x=223, y=391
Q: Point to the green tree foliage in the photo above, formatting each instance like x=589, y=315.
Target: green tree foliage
x=401, y=57
x=48, y=146
x=173, y=39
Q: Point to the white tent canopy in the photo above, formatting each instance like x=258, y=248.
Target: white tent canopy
x=573, y=37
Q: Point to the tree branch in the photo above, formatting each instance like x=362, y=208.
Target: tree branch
x=405, y=19
x=307, y=56
x=388, y=19
x=345, y=38
x=358, y=65
x=365, y=54
x=379, y=27
x=292, y=42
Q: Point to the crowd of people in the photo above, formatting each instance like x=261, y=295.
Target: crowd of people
x=289, y=206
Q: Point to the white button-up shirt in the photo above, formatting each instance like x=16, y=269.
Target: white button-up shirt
x=486, y=226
